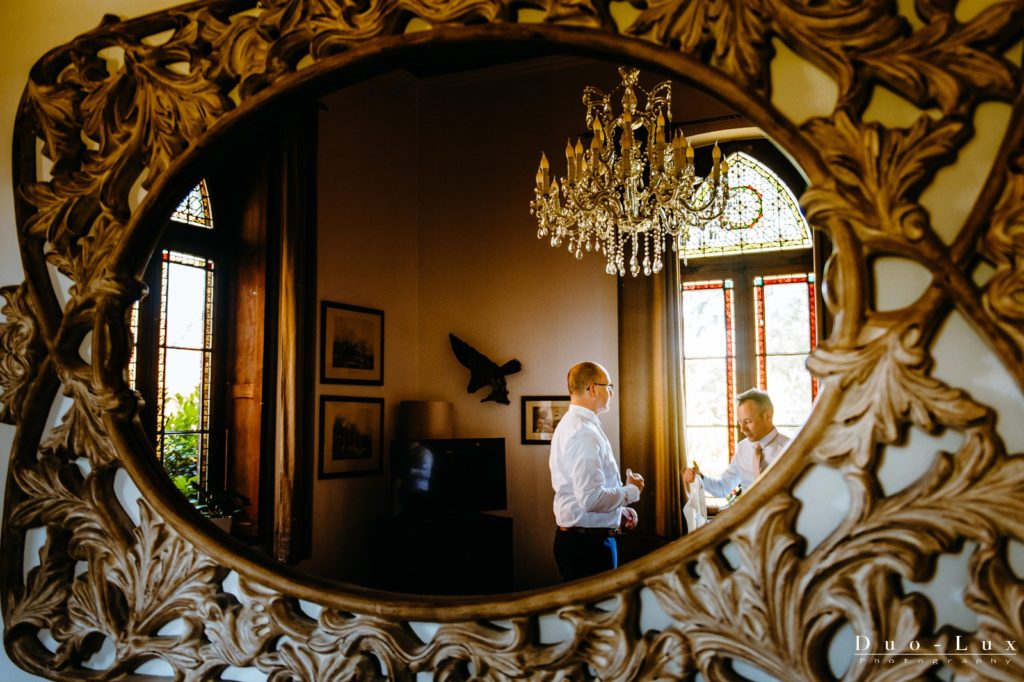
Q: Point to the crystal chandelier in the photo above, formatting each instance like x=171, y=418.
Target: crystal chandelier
x=631, y=185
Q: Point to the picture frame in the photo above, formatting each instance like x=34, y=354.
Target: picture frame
x=351, y=344
x=351, y=436
x=540, y=416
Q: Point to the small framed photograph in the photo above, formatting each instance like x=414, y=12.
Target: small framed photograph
x=351, y=436
x=351, y=344
x=541, y=414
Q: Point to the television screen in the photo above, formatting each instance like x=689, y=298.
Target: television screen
x=449, y=475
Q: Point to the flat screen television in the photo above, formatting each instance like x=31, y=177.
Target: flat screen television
x=452, y=475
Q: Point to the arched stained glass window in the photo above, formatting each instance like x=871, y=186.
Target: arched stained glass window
x=194, y=209
x=749, y=314
x=173, y=366
x=762, y=215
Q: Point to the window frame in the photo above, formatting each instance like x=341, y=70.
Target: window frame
x=202, y=242
x=741, y=268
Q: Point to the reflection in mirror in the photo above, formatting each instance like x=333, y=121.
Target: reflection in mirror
x=401, y=204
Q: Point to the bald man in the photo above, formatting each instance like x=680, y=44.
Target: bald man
x=590, y=500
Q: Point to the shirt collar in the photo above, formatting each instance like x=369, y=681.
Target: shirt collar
x=586, y=413
x=768, y=438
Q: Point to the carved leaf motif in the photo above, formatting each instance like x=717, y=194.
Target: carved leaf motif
x=46, y=589
x=245, y=48
x=81, y=430
x=905, y=531
x=736, y=33
x=878, y=174
x=749, y=612
x=950, y=63
x=241, y=631
x=886, y=385
x=164, y=110
x=94, y=610
x=1003, y=297
x=51, y=493
x=997, y=596
x=55, y=107
x=21, y=350
x=160, y=575
x=339, y=648
x=833, y=34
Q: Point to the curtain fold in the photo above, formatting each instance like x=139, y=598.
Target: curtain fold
x=650, y=399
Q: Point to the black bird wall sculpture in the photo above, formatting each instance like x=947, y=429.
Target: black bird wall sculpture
x=483, y=371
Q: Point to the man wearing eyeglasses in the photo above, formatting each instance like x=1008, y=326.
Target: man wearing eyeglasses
x=762, y=446
x=590, y=500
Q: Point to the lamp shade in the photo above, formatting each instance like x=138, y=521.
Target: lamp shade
x=425, y=419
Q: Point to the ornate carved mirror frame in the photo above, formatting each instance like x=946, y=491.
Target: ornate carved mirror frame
x=127, y=110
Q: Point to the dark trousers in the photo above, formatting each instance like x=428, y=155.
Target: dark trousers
x=579, y=555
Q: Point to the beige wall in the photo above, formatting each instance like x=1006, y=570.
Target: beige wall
x=424, y=212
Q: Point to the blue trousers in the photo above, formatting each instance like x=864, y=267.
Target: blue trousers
x=579, y=555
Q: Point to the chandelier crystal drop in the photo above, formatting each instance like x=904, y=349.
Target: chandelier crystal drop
x=632, y=186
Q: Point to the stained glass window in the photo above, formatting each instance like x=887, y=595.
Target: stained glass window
x=174, y=332
x=749, y=318
x=762, y=215
x=184, y=362
x=709, y=372
x=786, y=334
x=194, y=209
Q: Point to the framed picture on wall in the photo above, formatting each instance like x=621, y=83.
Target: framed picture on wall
x=541, y=414
x=351, y=344
x=351, y=436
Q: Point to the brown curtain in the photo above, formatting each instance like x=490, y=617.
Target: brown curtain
x=650, y=399
x=265, y=182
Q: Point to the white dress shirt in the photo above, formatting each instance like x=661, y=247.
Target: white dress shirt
x=588, y=487
x=741, y=469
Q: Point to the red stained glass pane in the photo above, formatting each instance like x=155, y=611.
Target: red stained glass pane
x=709, y=371
x=784, y=312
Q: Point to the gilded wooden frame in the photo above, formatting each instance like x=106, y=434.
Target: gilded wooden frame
x=135, y=104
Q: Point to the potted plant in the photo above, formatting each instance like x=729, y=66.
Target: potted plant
x=220, y=506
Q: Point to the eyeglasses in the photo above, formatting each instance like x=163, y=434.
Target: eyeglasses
x=610, y=387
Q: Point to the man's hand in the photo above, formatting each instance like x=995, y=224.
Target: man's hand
x=629, y=518
x=635, y=479
x=691, y=473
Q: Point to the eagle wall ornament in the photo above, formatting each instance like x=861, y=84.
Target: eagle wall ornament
x=484, y=371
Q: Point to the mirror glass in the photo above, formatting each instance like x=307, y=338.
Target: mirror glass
x=372, y=222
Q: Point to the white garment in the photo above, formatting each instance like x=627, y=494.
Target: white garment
x=741, y=469
x=696, y=509
x=584, y=474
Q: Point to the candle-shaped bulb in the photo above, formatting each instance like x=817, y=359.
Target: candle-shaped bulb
x=689, y=152
x=725, y=166
x=570, y=161
x=544, y=166
x=661, y=129
x=716, y=153
x=579, y=148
